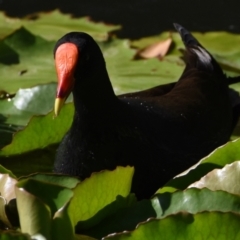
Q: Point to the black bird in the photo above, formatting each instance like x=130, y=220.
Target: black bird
x=160, y=131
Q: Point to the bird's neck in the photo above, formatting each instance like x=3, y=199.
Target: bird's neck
x=95, y=93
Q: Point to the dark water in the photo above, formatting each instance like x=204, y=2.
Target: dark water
x=141, y=17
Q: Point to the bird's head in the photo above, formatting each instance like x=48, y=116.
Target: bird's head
x=77, y=59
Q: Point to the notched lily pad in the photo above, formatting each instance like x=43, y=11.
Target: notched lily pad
x=34, y=54
x=226, y=154
x=97, y=192
x=186, y=226
x=58, y=179
x=3, y=215
x=53, y=25
x=34, y=214
x=15, y=235
x=53, y=195
x=226, y=179
x=7, y=184
x=190, y=201
x=42, y=130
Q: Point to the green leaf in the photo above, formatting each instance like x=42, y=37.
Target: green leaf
x=6, y=132
x=195, y=200
x=13, y=235
x=40, y=160
x=97, y=192
x=94, y=199
x=3, y=215
x=27, y=59
x=129, y=75
x=83, y=237
x=214, y=42
x=3, y=170
x=26, y=52
x=191, y=201
x=28, y=102
x=225, y=179
x=58, y=179
x=53, y=25
x=118, y=216
x=53, y=195
x=45, y=202
x=223, y=155
x=204, y=226
x=125, y=218
x=17, y=111
x=62, y=226
x=36, y=100
x=11, y=115
x=35, y=215
x=7, y=25
x=45, y=26
x=42, y=130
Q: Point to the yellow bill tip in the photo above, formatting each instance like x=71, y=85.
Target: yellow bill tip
x=58, y=105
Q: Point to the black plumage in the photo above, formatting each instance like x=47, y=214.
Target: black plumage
x=160, y=131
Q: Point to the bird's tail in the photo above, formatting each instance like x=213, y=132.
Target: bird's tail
x=196, y=55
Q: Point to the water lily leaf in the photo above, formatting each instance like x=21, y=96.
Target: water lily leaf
x=62, y=226
x=14, y=235
x=162, y=205
x=3, y=170
x=223, y=155
x=129, y=75
x=40, y=132
x=10, y=114
x=32, y=54
x=125, y=219
x=53, y=25
x=17, y=112
x=27, y=59
x=222, y=45
x=45, y=26
x=40, y=160
x=97, y=192
x=58, y=179
x=34, y=214
x=7, y=25
x=53, y=195
x=6, y=131
x=42, y=196
x=6, y=135
x=225, y=179
x=3, y=215
x=36, y=100
x=7, y=184
x=83, y=237
x=194, y=200
x=185, y=226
